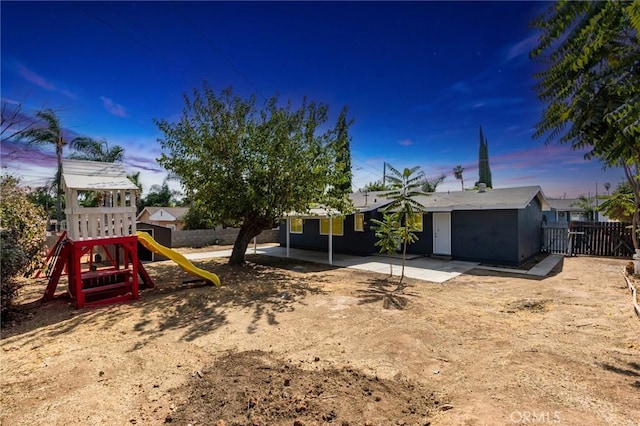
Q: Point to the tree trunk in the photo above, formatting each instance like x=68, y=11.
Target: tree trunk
x=245, y=235
x=404, y=256
x=635, y=187
x=59, y=188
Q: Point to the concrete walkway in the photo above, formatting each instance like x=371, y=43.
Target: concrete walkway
x=420, y=268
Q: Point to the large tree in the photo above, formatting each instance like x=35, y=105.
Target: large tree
x=431, y=184
x=620, y=205
x=250, y=166
x=590, y=83
x=342, y=164
x=22, y=237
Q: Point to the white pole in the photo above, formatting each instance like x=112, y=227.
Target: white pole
x=287, y=232
x=330, y=240
x=255, y=247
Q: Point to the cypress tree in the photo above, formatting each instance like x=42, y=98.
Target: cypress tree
x=484, y=171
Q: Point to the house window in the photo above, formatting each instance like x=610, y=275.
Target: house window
x=336, y=227
x=358, y=222
x=416, y=221
x=296, y=225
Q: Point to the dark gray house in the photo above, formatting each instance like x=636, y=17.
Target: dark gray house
x=498, y=226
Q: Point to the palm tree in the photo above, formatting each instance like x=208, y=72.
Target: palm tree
x=406, y=185
x=96, y=150
x=135, y=178
x=457, y=172
x=48, y=131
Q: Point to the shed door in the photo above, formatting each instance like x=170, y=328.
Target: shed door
x=442, y=233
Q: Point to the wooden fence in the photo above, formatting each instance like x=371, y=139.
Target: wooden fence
x=611, y=239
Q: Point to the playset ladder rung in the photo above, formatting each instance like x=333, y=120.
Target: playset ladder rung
x=106, y=288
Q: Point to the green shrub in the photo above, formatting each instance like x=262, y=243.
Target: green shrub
x=22, y=234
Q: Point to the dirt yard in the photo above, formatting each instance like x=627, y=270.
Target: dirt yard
x=293, y=343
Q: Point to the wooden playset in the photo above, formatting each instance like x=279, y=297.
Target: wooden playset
x=99, y=248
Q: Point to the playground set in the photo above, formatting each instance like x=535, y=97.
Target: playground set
x=99, y=248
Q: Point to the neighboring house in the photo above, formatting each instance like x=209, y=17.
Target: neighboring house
x=501, y=226
x=171, y=217
x=568, y=210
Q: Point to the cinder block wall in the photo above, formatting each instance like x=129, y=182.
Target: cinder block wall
x=206, y=237
x=203, y=237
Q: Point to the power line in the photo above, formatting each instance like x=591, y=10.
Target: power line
x=97, y=18
x=217, y=49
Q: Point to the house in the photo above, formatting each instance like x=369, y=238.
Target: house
x=170, y=217
x=498, y=226
x=568, y=210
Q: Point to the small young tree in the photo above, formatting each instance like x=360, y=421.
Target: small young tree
x=22, y=232
x=388, y=234
x=406, y=186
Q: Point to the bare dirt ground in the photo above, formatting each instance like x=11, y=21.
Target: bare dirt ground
x=291, y=343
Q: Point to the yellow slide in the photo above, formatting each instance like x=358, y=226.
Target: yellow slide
x=151, y=244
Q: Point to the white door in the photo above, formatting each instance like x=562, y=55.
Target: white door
x=442, y=233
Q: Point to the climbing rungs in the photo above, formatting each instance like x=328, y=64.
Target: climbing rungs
x=105, y=273
x=106, y=288
x=115, y=299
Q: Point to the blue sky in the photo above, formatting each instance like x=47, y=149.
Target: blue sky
x=419, y=79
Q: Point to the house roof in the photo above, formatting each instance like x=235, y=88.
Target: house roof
x=492, y=199
x=368, y=201
x=94, y=175
x=164, y=214
x=567, y=204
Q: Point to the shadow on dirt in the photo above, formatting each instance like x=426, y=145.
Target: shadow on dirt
x=265, y=286
x=632, y=371
x=385, y=291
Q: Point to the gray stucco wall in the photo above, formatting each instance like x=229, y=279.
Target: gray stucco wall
x=489, y=236
x=352, y=242
x=529, y=231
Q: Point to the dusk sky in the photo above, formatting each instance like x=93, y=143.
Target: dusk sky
x=419, y=79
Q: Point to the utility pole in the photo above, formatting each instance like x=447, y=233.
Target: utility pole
x=384, y=174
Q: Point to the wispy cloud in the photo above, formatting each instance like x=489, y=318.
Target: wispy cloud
x=499, y=102
x=522, y=47
x=462, y=87
x=113, y=108
x=143, y=163
x=32, y=77
x=405, y=142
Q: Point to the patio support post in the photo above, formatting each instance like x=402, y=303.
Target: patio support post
x=330, y=240
x=287, y=232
